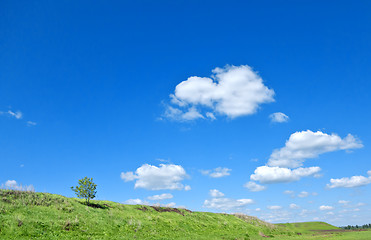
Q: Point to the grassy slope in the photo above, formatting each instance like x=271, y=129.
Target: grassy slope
x=25, y=215
x=321, y=230
x=308, y=227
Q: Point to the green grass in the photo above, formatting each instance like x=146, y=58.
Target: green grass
x=308, y=227
x=29, y=215
x=321, y=230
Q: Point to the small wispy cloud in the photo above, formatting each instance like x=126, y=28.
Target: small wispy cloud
x=254, y=187
x=217, y=172
x=161, y=197
x=30, y=123
x=326, y=208
x=274, y=207
x=17, y=114
x=279, y=117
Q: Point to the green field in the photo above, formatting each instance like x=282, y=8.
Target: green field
x=28, y=215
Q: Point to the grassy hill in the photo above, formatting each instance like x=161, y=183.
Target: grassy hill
x=308, y=227
x=29, y=215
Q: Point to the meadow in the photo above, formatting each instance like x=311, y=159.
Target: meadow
x=30, y=215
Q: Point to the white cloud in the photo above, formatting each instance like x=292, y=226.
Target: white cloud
x=279, y=117
x=128, y=176
x=258, y=209
x=170, y=205
x=217, y=172
x=265, y=174
x=232, y=91
x=164, y=177
x=294, y=206
x=326, y=208
x=345, y=182
x=136, y=201
x=178, y=115
x=161, y=197
x=303, y=194
x=227, y=203
x=12, y=184
x=216, y=193
x=17, y=114
x=30, y=123
x=307, y=144
x=254, y=187
x=274, y=207
x=210, y=115
x=187, y=188
x=289, y=192
x=344, y=202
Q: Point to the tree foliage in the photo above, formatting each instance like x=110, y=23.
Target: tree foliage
x=364, y=226
x=86, y=189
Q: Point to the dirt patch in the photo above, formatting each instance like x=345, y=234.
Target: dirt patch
x=96, y=205
x=143, y=209
x=167, y=209
x=263, y=235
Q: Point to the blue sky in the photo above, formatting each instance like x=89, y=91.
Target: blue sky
x=261, y=107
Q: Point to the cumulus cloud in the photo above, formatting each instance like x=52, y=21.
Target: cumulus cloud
x=12, y=184
x=161, y=197
x=294, y=206
x=217, y=172
x=346, y=182
x=187, y=188
x=216, y=193
x=279, y=117
x=254, y=187
x=274, y=207
x=307, y=144
x=326, y=208
x=232, y=91
x=266, y=174
x=218, y=201
x=164, y=177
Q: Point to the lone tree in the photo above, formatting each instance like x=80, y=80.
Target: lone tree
x=86, y=189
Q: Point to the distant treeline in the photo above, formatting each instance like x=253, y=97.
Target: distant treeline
x=364, y=226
